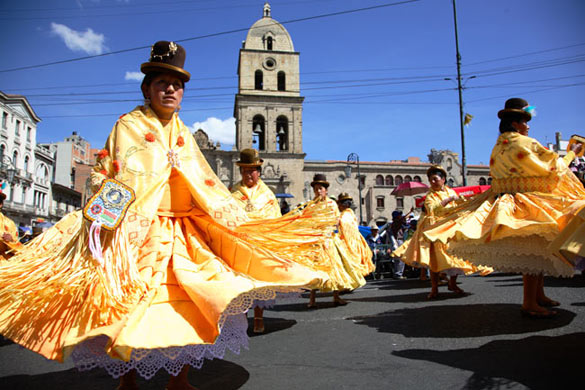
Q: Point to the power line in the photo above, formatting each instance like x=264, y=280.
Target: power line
x=331, y=14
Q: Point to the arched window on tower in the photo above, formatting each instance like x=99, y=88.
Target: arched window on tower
x=482, y=181
x=398, y=180
x=269, y=43
x=407, y=179
x=258, y=80
x=379, y=180
x=417, y=179
x=15, y=158
x=282, y=133
x=281, y=81
x=389, y=180
x=259, y=132
x=26, y=161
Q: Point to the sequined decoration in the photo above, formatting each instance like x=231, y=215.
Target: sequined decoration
x=173, y=158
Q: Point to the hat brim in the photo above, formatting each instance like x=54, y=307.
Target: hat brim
x=323, y=183
x=342, y=199
x=257, y=164
x=149, y=67
x=515, y=111
x=433, y=170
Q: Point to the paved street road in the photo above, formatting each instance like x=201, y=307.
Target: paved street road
x=388, y=337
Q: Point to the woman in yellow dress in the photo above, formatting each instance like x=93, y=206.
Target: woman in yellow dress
x=510, y=226
x=360, y=254
x=418, y=251
x=343, y=275
x=171, y=285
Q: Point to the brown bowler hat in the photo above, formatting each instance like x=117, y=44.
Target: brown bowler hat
x=249, y=158
x=515, y=107
x=435, y=169
x=344, y=196
x=320, y=178
x=167, y=56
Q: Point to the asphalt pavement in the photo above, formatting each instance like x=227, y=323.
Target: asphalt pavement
x=389, y=336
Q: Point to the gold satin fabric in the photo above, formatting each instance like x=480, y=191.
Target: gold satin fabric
x=570, y=244
x=418, y=251
x=7, y=226
x=259, y=201
x=510, y=226
x=184, y=258
x=336, y=260
x=359, y=250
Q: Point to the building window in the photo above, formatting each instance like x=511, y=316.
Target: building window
x=398, y=180
x=259, y=132
x=380, y=202
x=269, y=43
x=282, y=133
x=362, y=182
x=489, y=181
x=17, y=127
x=407, y=179
x=28, y=132
x=399, y=203
x=482, y=181
x=258, y=80
x=26, y=160
x=15, y=158
x=389, y=180
x=379, y=180
x=281, y=81
x=450, y=182
x=4, y=120
x=417, y=179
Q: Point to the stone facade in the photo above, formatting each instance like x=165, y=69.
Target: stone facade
x=268, y=111
x=28, y=191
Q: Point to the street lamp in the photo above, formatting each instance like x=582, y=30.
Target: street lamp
x=7, y=168
x=354, y=158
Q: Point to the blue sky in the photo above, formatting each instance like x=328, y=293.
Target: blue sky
x=374, y=81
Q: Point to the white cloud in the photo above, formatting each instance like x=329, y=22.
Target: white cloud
x=223, y=131
x=136, y=76
x=87, y=41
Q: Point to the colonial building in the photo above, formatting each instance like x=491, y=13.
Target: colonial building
x=25, y=169
x=268, y=111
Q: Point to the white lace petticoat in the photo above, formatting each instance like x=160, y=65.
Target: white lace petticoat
x=91, y=353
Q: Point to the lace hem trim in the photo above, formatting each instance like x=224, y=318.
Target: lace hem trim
x=525, y=254
x=233, y=324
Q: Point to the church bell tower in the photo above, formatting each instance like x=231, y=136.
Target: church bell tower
x=268, y=106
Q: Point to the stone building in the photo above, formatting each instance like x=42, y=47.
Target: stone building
x=268, y=115
x=25, y=169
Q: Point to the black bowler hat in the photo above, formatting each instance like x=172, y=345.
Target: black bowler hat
x=514, y=108
x=167, y=56
x=320, y=178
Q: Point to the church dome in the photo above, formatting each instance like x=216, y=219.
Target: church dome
x=268, y=34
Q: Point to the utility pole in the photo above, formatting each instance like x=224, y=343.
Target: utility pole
x=459, y=89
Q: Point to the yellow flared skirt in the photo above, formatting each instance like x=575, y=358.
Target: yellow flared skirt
x=176, y=288
x=512, y=232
